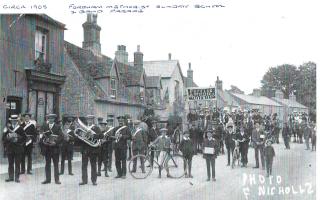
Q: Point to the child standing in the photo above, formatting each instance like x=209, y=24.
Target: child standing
x=269, y=154
x=188, y=150
x=162, y=145
x=210, y=150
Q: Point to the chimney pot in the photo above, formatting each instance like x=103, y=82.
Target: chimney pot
x=138, y=48
x=190, y=66
x=169, y=56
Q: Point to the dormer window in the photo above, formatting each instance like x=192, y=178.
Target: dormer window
x=41, y=45
x=113, y=86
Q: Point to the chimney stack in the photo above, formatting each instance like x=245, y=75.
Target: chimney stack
x=218, y=84
x=138, y=58
x=91, y=34
x=189, y=76
x=121, y=54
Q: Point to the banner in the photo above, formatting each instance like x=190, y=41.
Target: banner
x=201, y=94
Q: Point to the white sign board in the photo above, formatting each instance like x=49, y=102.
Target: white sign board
x=195, y=94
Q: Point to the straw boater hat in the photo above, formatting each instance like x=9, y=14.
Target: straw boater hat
x=13, y=117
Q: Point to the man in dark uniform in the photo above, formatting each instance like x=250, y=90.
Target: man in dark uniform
x=286, y=135
x=230, y=144
x=109, y=143
x=51, y=139
x=193, y=134
x=14, y=140
x=129, y=123
x=89, y=152
x=139, y=144
x=122, y=135
x=67, y=145
x=103, y=153
x=31, y=133
x=221, y=133
x=153, y=133
x=243, y=139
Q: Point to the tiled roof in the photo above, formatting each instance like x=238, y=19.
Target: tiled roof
x=227, y=98
x=163, y=68
x=289, y=103
x=261, y=100
x=185, y=82
x=153, y=82
x=84, y=59
x=131, y=75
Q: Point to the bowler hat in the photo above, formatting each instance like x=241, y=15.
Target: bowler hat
x=25, y=114
x=90, y=116
x=51, y=115
x=163, y=129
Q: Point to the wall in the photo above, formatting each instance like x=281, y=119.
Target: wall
x=76, y=96
x=103, y=109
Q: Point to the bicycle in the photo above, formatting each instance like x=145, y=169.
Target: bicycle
x=173, y=163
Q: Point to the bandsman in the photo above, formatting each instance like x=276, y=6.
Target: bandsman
x=14, y=140
x=67, y=145
x=90, y=152
x=51, y=139
x=139, y=144
x=29, y=127
x=109, y=142
x=153, y=133
x=122, y=135
x=103, y=154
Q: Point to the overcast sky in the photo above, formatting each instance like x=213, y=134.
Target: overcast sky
x=238, y=43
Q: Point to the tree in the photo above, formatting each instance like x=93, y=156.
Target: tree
x=290, y=79
x=306, y=87
x=235, y=89
x=283, y=77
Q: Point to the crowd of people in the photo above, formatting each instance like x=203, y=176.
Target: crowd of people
x=210, y=133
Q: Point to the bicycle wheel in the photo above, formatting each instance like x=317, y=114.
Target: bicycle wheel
x=142, y=168
x=175, y=165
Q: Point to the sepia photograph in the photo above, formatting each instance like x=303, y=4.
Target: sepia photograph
x=158, y=100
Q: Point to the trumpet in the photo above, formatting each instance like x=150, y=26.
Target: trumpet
x=85, y=134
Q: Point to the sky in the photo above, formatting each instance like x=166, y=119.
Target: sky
x=238, y=42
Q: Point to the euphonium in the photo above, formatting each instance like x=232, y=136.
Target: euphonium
x=85, y=134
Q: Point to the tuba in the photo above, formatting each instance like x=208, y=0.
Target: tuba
x=85, y=134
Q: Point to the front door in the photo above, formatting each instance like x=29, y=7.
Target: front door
x=41, y=103
x=13, y=106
